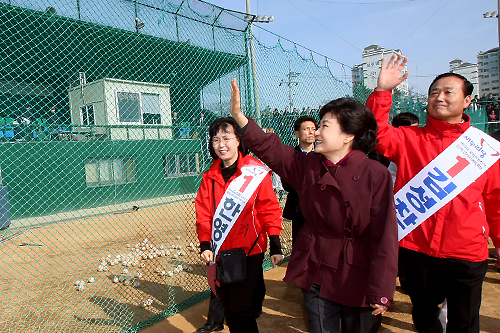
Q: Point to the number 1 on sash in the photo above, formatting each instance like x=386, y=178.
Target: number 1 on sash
x=459, y=166
x=248, y=179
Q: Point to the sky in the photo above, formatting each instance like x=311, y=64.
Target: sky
x=431, y=33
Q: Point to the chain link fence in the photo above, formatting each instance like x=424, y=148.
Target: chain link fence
x=104, y=111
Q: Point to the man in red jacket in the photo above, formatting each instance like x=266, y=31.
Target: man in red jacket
x=445, y=256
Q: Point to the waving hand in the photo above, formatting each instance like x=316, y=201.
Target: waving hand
x=390, y=74
x=235, y=105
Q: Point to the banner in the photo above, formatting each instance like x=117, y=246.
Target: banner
x=234, y=200
x=444, y=178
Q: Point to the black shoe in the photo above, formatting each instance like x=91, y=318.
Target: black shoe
x=211, y=327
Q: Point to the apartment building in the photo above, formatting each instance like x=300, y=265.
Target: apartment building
x=367, y=72
x=469, y=71
x=487, y=67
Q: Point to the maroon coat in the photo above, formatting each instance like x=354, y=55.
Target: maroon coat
x=349, y=243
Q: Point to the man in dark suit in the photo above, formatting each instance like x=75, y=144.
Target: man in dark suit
x=305, y=128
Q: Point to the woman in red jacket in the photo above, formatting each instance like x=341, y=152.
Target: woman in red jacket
x=345, y=255
x=236, y=207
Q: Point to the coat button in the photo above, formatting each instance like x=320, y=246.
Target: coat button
x=347, y=204
x=355, y=177
x=347, y=231
x=323, y=187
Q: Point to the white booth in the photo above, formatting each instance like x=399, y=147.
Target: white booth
x=121, y=103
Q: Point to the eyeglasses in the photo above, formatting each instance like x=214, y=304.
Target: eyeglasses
x=217, y=141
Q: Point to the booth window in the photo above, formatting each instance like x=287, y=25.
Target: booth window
x=110, y=171
x=87, y=114
x=181, y=165
x=138, y=107
x=151, y=108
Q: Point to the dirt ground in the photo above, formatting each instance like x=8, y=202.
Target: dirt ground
x=283, y=310
x=37, y=281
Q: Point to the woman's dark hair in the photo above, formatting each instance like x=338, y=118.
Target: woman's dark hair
x=356, y=119
x=223, y=124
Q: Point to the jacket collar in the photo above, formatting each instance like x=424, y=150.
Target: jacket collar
x=355, y=157
x=298, y=149
x=214, y=171
x=444, y=127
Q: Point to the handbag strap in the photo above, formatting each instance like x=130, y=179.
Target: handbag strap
x=213, y=196
x=254, y=243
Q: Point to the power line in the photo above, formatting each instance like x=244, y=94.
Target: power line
x=327, y=28
x=434, y=13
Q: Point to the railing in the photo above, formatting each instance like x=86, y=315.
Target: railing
x=62, y=132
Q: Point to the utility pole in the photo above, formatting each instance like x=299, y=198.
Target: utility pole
x=254, y=70
x=255, y=19
x=290, y=83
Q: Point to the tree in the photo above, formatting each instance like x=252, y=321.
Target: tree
x=361, y=92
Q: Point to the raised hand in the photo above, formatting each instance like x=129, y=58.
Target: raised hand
x=390, y=74
x=235, y=105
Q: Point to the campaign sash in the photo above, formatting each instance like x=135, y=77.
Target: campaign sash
x=234, y=200
x=458, y=166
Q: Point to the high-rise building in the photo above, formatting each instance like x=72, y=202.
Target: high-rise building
x=367, y=72
x=468, y=70
x=487, y=67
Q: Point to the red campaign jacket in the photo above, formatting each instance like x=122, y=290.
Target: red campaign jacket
x=261, y=211
x=348, y=244
x=460, y=229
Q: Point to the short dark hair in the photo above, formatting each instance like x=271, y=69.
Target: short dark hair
x=467, y=87
x=300, y=120
x=405, y=119
x=223, y=124
x=356, y=119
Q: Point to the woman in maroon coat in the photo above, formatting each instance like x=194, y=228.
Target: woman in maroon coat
x=345, y=256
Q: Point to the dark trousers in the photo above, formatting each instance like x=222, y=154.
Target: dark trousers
x=325, y=316
x=215, y=310
x=243, y=301
x=429, y=280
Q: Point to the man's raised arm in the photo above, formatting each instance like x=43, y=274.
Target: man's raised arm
x=380, y=102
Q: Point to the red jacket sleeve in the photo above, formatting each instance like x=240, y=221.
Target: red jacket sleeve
x=491, y=196
x=204, y=207
x=379, y=102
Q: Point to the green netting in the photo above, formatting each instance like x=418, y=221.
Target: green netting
x=96, y=202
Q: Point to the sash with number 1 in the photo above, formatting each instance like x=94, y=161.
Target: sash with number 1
x=458, y=166
x=234, y=200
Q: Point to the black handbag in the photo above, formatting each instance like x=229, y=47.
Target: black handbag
x=232, y=266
